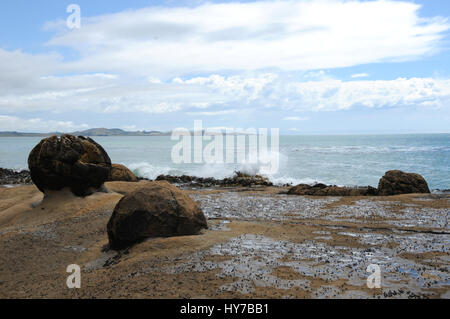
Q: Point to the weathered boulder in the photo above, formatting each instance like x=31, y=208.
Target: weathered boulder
x=75, y=162
x=325, y=190
x=158, y=209
x=396, y=182
x=120, y=173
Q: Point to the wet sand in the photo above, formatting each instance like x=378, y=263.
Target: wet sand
x=260, y=244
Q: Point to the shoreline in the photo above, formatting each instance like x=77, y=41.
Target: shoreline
x=10, y=178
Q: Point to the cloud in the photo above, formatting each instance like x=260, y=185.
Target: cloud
x=103, y=93
x=13, y=123
x=217, y=95
x=213, y=113
x=268, y=90
x=295, y=118
x=248, y=55
x=359, y=75
x=287, y=35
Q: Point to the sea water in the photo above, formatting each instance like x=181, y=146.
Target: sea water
x=339, y=159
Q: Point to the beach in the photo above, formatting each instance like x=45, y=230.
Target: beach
x=260, y=243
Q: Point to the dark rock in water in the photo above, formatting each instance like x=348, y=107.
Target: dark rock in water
x=121, y=173
x=396, y=182
x=10, y=177
x=75, y=162
x=158, y=209
x=324, y=190
x=239, y=179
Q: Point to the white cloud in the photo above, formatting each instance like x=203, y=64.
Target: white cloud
x=289, y=35
x=402, y=92
x=295, y=118
x=226, y=95
x=359, y=75
x=140, y=60
x=13, y=123
x=328, y=95
x=213, y=113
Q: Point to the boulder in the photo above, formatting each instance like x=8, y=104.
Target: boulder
x=157, y=209
x=120, y=173
x=75, y=162
x=396, y=182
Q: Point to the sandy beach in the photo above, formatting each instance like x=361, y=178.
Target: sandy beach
x=260, y=243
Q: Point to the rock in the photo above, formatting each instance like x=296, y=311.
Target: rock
x=120, y=173
x=10, y=177
x=158, y=209
x=396, y=182
x=324, y=190
x=75, y=162
x=243, y=179
x=239, y=179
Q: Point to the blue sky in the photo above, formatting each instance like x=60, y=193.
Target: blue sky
x=306, y=67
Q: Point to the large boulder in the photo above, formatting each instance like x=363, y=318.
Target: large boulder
x=75, y=162
x=158, y=209
x=397, y=182
x=120, y=173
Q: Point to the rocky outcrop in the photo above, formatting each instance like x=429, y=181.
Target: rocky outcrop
x=325, y=190
x=75, y=162
x=396, y=182
x=10, y=177
x=239, y=179
x=392, y=183
x=158, y=209
x=120, y=173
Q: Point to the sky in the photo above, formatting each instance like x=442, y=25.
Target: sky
x=305, y=67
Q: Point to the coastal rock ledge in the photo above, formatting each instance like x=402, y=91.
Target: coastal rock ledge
x=325, y=190
x=75, y=162
x=158, y=209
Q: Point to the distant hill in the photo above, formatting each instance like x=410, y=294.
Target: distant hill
x=89, y=132
x=116, y=132
x=19, y=134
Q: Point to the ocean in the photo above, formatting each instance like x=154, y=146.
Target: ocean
x=345, y=160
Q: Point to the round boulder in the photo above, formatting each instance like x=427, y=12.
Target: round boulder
x=158, y=209
x=120, y=173
x=397, y=182
x=75, y=162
